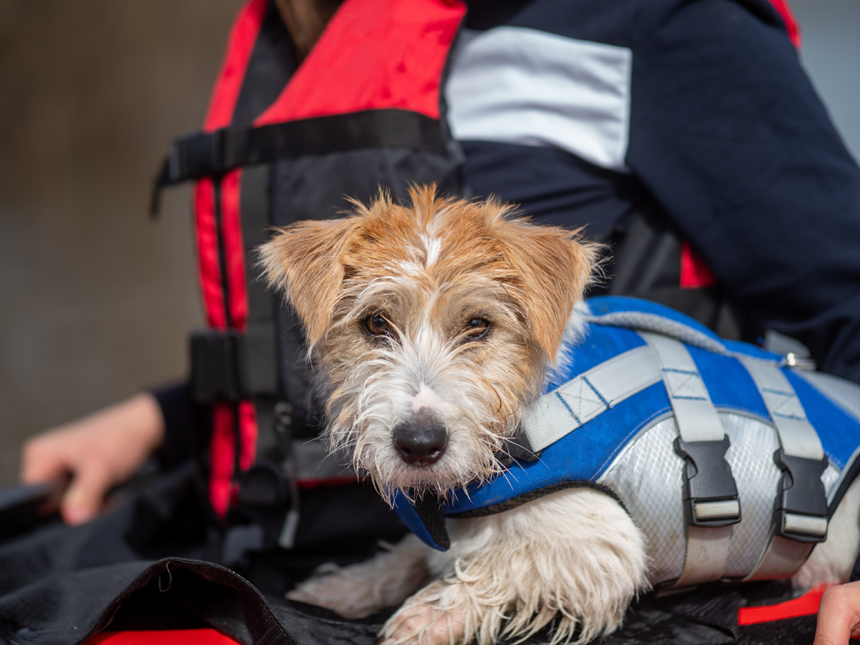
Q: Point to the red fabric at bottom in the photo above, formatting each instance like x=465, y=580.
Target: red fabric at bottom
x=806, y=605
x=164, y=637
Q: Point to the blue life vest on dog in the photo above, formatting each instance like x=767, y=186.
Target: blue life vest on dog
x=712, y=435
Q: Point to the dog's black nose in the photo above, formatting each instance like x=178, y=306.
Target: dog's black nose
x=422, y=439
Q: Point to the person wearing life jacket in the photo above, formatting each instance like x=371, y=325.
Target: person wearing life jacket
x=684, y=134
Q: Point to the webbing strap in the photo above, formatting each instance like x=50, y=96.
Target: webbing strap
x=205, y=154
x=844, y=393
x=562, y=411
x=782, y=559
x=796, y=435
x=801, y=506
x=699, y=427
x=707, y=554
x=695, y=415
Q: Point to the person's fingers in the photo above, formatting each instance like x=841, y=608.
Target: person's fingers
x=98, y=451
x=84, y=498
x=42, y=459
x=838, y=615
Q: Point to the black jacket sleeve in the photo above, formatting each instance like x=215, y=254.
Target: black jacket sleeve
x=729, y=135
x=179, y=424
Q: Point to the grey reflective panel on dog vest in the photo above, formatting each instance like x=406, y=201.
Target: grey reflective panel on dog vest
x=730, y=463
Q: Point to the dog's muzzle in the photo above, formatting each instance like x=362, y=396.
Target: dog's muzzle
x=420, y=440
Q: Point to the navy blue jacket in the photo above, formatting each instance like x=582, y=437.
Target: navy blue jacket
x=709, y=119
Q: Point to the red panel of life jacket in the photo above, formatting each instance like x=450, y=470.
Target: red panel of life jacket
x=223, y=312
x=374, y=54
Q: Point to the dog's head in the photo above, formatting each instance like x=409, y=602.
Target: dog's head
x=432, y=327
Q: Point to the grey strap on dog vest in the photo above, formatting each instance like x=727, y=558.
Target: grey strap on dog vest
x=796, y=434
x=800, y=512
x=710, y=494
x=562, y=411
x=695, y=415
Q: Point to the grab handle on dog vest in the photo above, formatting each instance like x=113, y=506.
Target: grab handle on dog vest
x=710, y=493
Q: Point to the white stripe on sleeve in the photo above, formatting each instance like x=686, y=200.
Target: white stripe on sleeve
x=529, y=87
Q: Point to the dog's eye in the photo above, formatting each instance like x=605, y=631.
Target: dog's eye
x=377, y=325
x=477, y=328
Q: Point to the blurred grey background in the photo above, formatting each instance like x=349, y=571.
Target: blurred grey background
x=95, y=298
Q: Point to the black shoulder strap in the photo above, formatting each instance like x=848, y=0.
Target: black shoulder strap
x=207, y=154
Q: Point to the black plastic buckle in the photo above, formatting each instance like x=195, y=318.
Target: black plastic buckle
x=203, y=154
x=194, y=156
x=517, y=449
x=708, y=479
x=217, y=372
x=800, y=493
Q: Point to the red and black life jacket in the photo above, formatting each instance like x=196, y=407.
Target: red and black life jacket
x=284, y=142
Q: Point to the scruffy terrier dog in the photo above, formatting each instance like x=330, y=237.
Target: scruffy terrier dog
x=432, y=327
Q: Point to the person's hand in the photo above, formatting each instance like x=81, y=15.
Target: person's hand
x=98, y=452
x=839, y=615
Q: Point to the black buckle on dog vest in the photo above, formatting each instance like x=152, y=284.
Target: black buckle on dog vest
x=517, y=449
x=226, y=366
x=800, y=511
x=710, y=492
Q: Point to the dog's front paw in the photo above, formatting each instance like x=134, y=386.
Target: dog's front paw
x=422, y=620
x=333, y=588
x=361, y=589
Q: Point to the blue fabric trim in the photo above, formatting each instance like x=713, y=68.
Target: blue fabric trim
x=567, y=406
x=582, y=455
x=599, y=345
x=729, y=383
x=838, y=431
x=604, y=305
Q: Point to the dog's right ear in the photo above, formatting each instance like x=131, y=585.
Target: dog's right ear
x=304, y=261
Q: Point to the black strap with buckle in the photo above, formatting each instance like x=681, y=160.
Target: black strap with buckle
x=708, y=481
x=207, y=154
x=800, y=511
x=230, y=366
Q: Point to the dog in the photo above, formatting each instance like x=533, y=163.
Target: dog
x=432, y=328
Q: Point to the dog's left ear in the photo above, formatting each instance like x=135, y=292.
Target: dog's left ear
x=554, y=266
x=304, y=261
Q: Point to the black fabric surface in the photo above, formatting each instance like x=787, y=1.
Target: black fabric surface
x=177, y=409
x=176, y=594
x=148, y=564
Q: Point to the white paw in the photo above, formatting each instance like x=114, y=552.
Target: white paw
x=330, y=588
x=421, y=622
x=356, y=591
